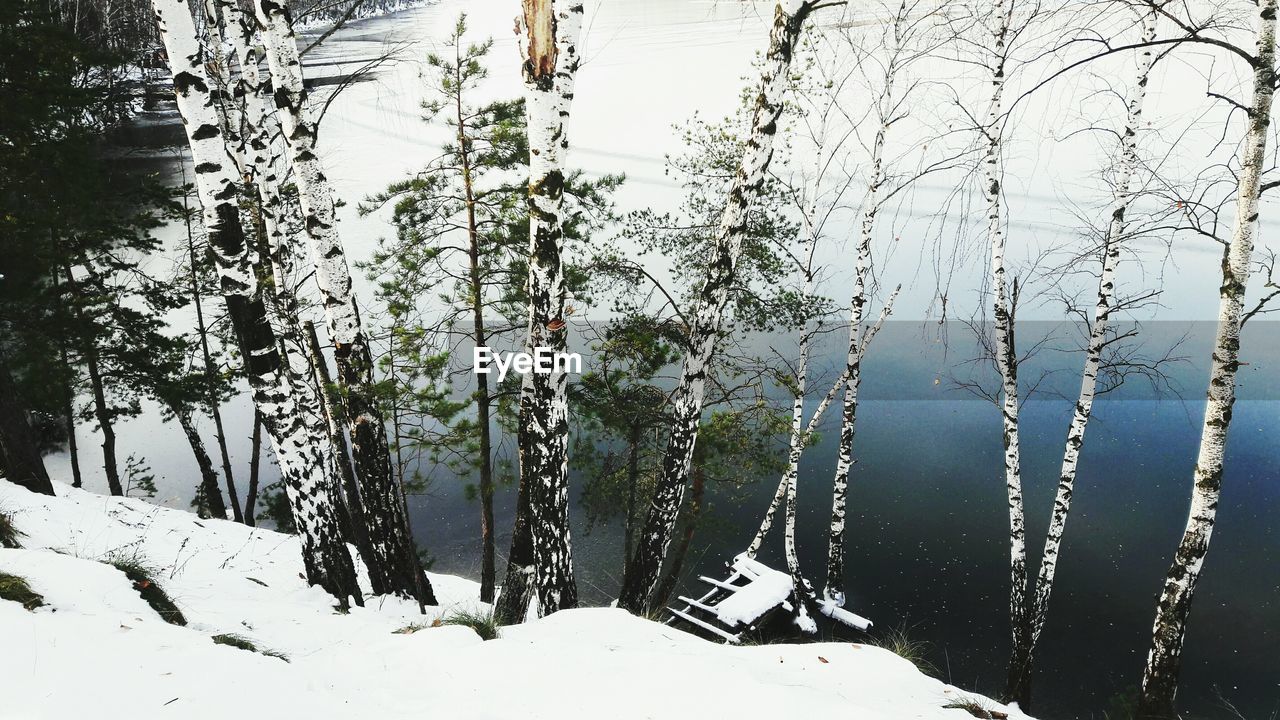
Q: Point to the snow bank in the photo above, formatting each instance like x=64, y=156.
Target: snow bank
x=97, y=650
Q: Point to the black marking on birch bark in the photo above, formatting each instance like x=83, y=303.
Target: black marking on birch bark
x=205, y=132
x=184, y=82
x=227, y=194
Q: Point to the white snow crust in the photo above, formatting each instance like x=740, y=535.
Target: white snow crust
x=96, y=650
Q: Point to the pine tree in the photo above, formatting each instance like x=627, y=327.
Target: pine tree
x=62, y=205
x=454, y=273
x=470, y=276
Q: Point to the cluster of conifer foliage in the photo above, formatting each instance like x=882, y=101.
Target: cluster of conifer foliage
x=78, y=315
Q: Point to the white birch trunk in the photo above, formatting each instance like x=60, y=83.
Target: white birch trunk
x=395, y=567
x=797, y=440
x=1002, y=308
x=800, y=437
x=1021, y=657
x=802, y=590
x=833, y=591
x=787, y=487
x=327, y=561
x=551, y=58
x=1103, y=308
x=708, y=311
x=1160, y=680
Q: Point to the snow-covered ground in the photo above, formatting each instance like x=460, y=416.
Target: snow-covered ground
x=97, y=650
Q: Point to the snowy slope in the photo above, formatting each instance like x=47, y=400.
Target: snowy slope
x=96, y=650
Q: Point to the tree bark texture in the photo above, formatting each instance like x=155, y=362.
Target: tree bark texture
x=209, y=490
x=1160, y=680
x=551, y=30
x=395, y=567
x=327, y=561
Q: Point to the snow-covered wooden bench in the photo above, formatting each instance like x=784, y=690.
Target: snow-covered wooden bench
x=744, y=600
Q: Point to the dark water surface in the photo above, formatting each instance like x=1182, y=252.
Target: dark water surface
x=928, y=525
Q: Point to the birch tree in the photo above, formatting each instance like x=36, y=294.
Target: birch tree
x=787, y=486
x=816, y=194
x=707, y=314
x=997, y=23
x=551, y=30
x=328, y=563
x=907, y=38
x=785, y=495
x=1036, y=611
x=735, y=440
x=1160, y=678
x=395, y=567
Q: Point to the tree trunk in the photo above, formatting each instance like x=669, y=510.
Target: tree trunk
x=788, y=486
x=255, y=464
x=797, y=437
x=833, y=590
x=633, y=480
x=19, y=449
x=69, y=387
x=213, y=400
x=396, y=568
x=262, y=166
x=550, y=67
x=69, y=408
x=662, y=595
x=800, y=437
x=209, y=489
x=328, y=563
x=1160, y=681
x=515, y=595
x=340, y=459
x=480, y=336
x=1021, y=660
x=305, y=372
x=707, y=315
x=103, y=413
x=1006, y=358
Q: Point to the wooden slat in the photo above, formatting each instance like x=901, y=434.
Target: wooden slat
x=695, y=603
x=706, y=626
x=721, y=584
